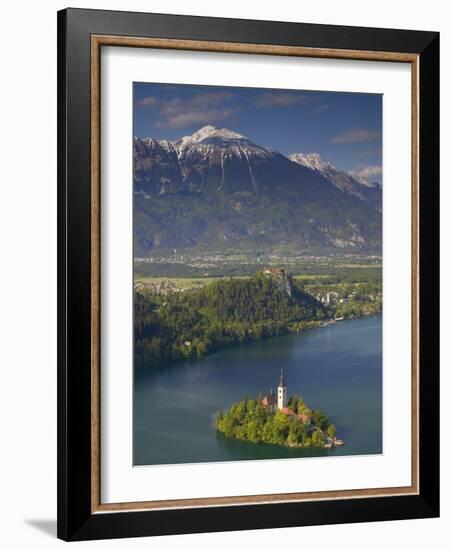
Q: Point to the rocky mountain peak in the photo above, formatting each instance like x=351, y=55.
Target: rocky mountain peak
x=345, y=181
x=207, y=132
x=314, y=161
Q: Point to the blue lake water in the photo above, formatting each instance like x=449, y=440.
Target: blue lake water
x=337, y=368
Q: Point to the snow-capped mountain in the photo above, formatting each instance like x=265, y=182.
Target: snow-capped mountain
x=314, y=161
x=156, y=167
x=208, y=132
x=210, y=139
x=218, y=187
x=221, y=159
x=211, y=159
x=341, y=179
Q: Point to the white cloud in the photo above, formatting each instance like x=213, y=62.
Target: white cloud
x=149, y=101
x=201, y=108
x=277, y=99
x=321, y=108
x=355, y=135
x=180, y=120
x=367, y=173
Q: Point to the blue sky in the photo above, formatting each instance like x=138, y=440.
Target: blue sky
x=345, y=128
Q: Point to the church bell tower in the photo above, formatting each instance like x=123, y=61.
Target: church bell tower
x=281, y=392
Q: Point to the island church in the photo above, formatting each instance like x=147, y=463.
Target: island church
x=313, y=433
x=279, y=402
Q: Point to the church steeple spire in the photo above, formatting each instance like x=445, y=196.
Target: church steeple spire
x=281, y=392
x=282, y=379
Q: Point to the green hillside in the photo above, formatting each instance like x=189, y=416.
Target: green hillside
x=190, y=324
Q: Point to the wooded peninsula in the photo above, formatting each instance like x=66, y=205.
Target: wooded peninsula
x=173, y=325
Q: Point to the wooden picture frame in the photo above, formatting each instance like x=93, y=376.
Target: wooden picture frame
x=81, y=35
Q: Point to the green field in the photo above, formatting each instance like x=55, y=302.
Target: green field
x=199, y=282
x=182, y=282
x=354, y=274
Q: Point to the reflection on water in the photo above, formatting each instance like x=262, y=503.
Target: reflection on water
x=337, y=368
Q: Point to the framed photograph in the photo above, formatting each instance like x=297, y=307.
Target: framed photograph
x=248, y=274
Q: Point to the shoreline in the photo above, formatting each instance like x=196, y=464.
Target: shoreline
x=219, y=378
x=291, y=423
x=336, y=443
x=320, y=324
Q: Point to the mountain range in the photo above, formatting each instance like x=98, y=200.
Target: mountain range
x=216, y=189
x=360, y=187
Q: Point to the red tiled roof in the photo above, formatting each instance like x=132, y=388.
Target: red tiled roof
x=287, y=411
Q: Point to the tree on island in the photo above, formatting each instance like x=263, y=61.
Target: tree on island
x=250, y=420
x=318, y=438
x=331, y=431
x=320, y=419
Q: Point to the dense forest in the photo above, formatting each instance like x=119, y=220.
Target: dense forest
x=249, y=420
x=190, y=324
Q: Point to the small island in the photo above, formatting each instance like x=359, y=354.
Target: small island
x=279, y=421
